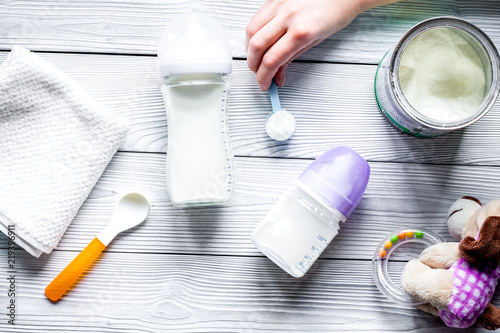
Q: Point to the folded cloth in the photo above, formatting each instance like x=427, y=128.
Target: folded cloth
x=55, y=142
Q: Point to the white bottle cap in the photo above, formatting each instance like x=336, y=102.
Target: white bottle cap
x=194, y=43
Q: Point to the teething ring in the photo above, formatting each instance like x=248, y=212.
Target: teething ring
x=381, y=258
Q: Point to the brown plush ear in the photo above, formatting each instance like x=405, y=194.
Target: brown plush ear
x=490, y=318
x=487, y=246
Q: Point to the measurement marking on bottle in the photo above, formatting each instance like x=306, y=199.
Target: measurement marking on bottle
x=309, y=258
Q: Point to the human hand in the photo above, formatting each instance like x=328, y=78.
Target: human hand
x=287, y=28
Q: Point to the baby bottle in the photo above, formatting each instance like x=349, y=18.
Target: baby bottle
x=193, y=57
x=306, y=218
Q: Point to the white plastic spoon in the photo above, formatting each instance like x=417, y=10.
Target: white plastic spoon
x=131, y=209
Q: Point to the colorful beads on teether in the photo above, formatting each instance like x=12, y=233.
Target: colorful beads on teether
x=395, y=238
x=384, y=269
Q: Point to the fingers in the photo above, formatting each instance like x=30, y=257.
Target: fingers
x=263, y=16
x=283, y=29
x=279, y=77
x=262, y=41
x=278, y=55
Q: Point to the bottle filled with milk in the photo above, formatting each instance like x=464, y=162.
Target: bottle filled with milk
x=306, y=218
x=193, y=58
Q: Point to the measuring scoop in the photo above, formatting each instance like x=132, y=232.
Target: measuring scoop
x=280, y=124
x=131, y=209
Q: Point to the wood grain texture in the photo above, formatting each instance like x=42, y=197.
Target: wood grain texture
x=397, y=195
x=179, y=293
x=196, y=270
x=134, y=26
x=334, y=104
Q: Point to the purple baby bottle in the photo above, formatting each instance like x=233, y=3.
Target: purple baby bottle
x=306, y=218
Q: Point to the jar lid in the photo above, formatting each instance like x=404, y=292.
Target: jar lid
x=340, y=177
x=194, y=43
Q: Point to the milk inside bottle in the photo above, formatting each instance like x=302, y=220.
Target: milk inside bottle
x=306, y=218
x=193, y=58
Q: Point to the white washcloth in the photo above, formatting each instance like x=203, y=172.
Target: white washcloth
x=55, y=142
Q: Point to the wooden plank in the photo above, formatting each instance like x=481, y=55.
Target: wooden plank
x=196, y=270
x=134, y=27
x=398, y=195
x=334, y=105
x=175, y=293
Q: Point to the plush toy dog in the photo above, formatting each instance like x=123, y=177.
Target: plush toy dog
x=456, y=281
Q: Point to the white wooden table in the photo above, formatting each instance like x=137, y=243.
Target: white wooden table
x=196, y=270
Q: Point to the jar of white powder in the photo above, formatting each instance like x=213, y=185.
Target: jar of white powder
x=441, y=76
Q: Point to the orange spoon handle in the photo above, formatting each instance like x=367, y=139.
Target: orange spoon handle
x=65, y=279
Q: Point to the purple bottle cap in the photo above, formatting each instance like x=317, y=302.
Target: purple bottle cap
x=339, y=176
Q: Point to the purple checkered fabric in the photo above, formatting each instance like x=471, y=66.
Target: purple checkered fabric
x=473, y=288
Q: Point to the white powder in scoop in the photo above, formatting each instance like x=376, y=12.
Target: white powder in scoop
x=280, y=125
x=441, y=75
